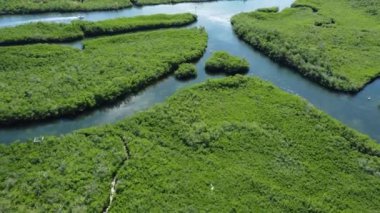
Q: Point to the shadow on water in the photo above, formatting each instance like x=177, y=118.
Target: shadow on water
x=355, y=111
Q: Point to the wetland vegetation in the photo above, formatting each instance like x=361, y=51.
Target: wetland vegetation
x=155, y=2
x=320, y=40
x=223, y=62
x=137, y=23
x=186, y=71
x=58, y=32
x=59, y=174
x=235, y=144
x=230, y=144
x=40, y=6
x=40, y=32
x=44, y=80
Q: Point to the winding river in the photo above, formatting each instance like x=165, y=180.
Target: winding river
x=357, y=111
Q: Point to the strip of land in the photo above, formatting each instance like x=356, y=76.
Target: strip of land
x=44, y=32
x=8, y=7
x=40, y=6
x=232, y=144
x=320, y=40
x=45, y=81
x=157, y=2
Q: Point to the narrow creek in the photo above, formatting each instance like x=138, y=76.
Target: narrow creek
x=356, y=111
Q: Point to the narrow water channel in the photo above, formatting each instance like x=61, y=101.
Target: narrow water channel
x=355, y=111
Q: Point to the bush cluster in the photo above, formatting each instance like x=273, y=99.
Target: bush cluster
x=268, y=10
x=223, y=62
x=156, y=2
x=185, y=71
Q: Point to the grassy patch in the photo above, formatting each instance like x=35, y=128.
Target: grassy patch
x=223, y=62
x=232, y=144
x=186, y=71
x=44, y=81
x=319, y=40
x=39, y=6
x=54, y=32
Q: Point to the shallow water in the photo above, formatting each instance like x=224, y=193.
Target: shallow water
x=355, y=111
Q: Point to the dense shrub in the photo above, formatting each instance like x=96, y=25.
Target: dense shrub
x=372, y=7
x=252, y=142
x=156, y=2
x=38, y=6
x=186, y=71
x=268, y=10
x=138, y=23
x=235, y=137
x=323, y=43
x=324, y=22
x=44, y=81
x=40, y=32
x=310, y=5
x=69, y=174
x=55, y=32
x=223, y=62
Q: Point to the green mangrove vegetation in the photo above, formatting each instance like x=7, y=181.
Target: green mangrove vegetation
x=186, y=71
x=268, y=10
x=40, y=32
x=71, y=173
x=137, y=23
x=156, y=2
x=223, y=62
x=231, y=144
x=319, y=39
x=40, y=6
x=372, y=7
x=44, y=81
x=57, y=32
